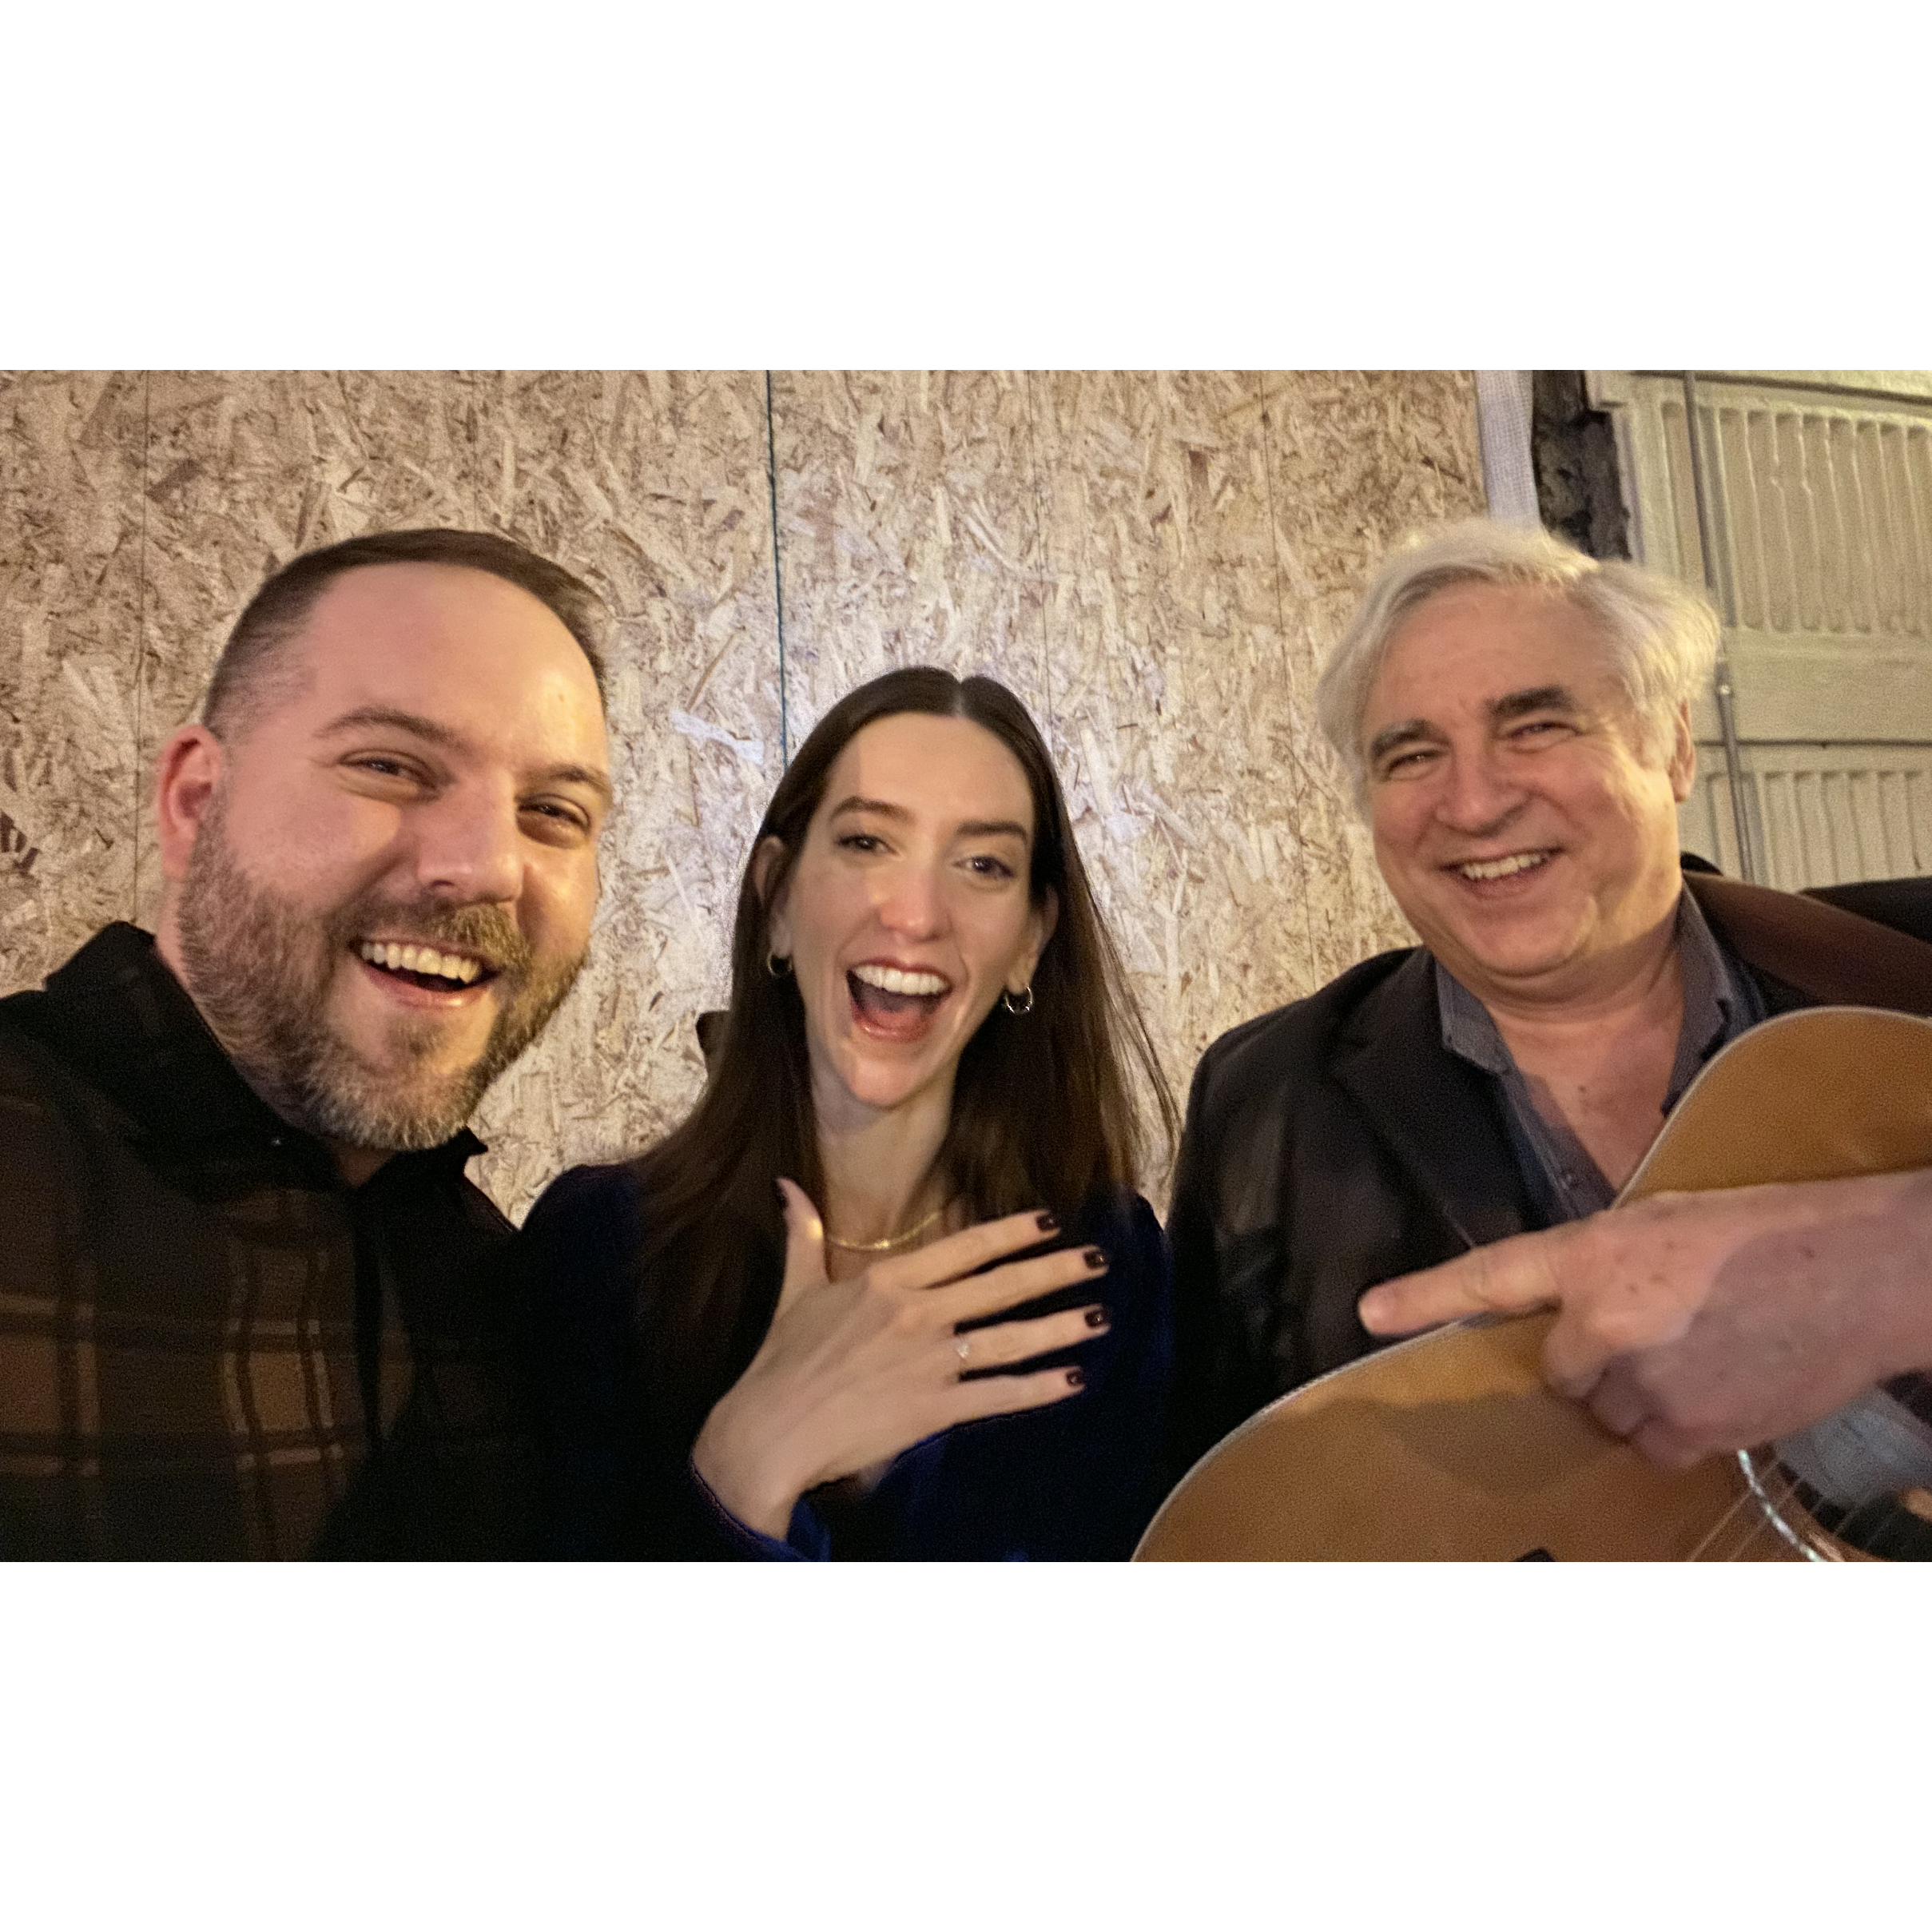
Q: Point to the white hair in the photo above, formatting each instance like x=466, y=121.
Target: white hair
x=1660, y=635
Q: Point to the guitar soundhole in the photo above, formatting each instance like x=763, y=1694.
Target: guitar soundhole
x=1879, y=1528
x=1850, y=1476
x=1538, y=1555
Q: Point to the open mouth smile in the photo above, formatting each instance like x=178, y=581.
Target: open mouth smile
x=896, y=1002
x=425, y=969
x=1511, y=865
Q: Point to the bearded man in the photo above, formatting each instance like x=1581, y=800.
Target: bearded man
x=249, y=1304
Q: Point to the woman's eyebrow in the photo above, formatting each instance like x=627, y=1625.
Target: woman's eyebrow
x=855, y=803
x=972, y=827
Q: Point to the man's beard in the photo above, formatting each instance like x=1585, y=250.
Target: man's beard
x=260, y=970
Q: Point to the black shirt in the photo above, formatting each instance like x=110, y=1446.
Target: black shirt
x=198, y=1315
x=1074, y=1481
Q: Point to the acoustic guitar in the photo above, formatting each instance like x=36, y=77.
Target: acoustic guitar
x=1448, y=1445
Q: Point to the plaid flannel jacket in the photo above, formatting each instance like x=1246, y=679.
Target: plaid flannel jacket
x=197, y=1316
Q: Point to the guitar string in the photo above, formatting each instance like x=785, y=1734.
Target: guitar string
x=1742, y=1499
x=1783, y=1503
x=1778, y=1500
x=1702, y=1553
x=1779, y=1497
x=1872, y=1530
x=1896, y=1513
x=1757, y=1524
x=1770, y=1500
x=1875, y=1528
x=1773, y=1501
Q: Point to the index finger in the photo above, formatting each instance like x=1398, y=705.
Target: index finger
x=1507, y=1277
x=947, y=1259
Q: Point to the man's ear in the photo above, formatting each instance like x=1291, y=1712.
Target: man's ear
x=1045, y=920
x=186, y=779
x=1683, y=755
x=765, y=861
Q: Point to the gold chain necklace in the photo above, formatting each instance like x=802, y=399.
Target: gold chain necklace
x=891, y=1241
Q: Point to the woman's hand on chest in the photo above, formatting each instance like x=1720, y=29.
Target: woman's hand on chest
x=852, y=1373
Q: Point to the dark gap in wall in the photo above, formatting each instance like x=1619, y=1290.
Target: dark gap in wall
x=1579, y=487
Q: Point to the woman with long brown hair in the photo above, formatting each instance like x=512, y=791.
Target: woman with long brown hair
x=888, y=1290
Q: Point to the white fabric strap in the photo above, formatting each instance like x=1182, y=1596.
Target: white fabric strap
x=1503, y=412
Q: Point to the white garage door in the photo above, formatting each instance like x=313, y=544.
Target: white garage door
x=1819, y=486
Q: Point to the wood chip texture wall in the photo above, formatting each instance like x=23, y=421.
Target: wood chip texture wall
x=1155, y=562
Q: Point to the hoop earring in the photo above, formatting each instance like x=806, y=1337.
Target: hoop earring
x=1011, y=1001
x=778, y=965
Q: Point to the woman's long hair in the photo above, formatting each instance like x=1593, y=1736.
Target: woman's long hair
x=1044, y=1113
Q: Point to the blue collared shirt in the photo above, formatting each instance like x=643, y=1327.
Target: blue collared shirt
x=1720, y=1001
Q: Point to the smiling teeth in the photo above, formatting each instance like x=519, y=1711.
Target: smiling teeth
x=420, y=959
x=1501, y=869
x=890, y=980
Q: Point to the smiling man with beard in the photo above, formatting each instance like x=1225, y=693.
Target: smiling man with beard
x=249, y=1305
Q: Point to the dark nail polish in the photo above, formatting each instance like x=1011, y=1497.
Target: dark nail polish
x=1096, y=1258
x=1048, y=1224
x=1077, y=1378
x=1097, y=1318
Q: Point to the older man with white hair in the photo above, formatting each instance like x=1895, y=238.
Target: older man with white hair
x=1516, y=719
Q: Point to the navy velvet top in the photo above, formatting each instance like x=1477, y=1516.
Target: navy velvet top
x=1075, y=1480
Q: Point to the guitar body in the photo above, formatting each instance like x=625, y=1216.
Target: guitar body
x=1448, y=1446
x=1445, y=1447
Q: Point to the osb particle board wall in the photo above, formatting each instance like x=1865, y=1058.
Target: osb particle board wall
x=1154, y=562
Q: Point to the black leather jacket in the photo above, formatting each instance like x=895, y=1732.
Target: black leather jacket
x=1334, y=1143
